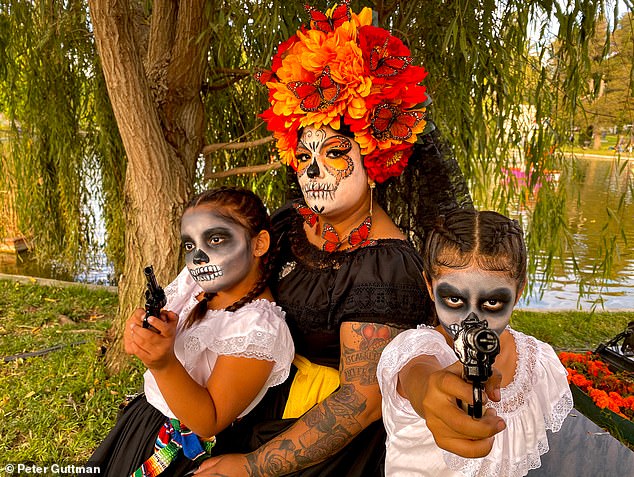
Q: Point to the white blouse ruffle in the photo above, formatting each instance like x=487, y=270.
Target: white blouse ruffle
x=257, y=330
x=537, y=399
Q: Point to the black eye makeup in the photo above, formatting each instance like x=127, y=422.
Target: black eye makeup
x=216, y=236
x=497, y=300
x=334, y=153
x=338, y=146
x=493, y=305
x=453, y=301
x=446, y=290
x=187, y=243
x=302, y=155
x=491, y=301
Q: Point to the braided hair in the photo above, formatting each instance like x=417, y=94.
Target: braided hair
x=485, y=239
x=247, y=210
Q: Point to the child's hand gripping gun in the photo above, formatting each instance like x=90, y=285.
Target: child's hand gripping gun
x=155, y=298
x=476, y=347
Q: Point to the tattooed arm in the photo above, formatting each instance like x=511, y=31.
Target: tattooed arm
x=330, y=425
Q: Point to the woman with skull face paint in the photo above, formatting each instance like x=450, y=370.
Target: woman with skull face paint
x=475, y=265
x=217, y=347
x=346, y=110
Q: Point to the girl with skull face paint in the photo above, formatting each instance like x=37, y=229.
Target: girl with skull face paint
x=221, y=342
x=475, y=264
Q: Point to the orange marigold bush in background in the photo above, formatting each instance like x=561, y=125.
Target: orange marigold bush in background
x=614, y=391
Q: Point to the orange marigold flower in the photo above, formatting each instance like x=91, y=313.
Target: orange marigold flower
x=608, y=390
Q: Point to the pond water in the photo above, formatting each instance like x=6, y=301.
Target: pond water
x=597, y=187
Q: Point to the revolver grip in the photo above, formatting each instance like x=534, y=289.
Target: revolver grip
x=474, y=410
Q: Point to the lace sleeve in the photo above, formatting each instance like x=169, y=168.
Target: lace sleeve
x=257, y=331
x=401, y=350
x=553, y=391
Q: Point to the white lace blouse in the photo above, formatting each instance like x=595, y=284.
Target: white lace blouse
x=257, y=330
x=537, y=399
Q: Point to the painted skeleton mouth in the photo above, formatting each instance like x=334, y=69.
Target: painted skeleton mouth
x=314, y=190
x=206, y=273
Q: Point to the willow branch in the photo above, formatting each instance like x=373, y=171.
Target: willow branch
x=244, y=170
x=224, y=84
x=234, y=146
x=232, y=71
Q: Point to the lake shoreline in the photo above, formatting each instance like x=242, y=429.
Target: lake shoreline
x=49, y=282
x=56, y=283
x=597, y=187
x=600, y=157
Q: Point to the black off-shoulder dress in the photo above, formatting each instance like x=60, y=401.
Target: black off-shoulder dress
x=319, y=291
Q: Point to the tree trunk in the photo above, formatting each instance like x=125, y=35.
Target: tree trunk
x=162, y=135
x=596, y=138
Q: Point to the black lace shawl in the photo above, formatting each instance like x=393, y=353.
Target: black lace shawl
x=380, y=284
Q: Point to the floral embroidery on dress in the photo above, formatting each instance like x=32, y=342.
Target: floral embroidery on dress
x=287, y=268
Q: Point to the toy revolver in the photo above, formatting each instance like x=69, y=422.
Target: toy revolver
x=154, y=298
x=476, y=347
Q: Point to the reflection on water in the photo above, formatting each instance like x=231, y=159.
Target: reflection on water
x=24, y=264
x=99, y=272
x=596, y=188
x=592, y=196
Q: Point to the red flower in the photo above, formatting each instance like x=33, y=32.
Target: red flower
x=388, y=163
x=281, y=49
x=579, y=380
x=374, y=37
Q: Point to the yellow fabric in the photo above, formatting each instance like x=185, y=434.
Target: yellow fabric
x=312, y=384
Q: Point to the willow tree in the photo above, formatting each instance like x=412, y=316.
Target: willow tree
x=179, y=77
x=610, y=100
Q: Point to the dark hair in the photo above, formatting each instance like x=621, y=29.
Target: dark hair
x=431, y=185
x=247, y=210
x=485, y=239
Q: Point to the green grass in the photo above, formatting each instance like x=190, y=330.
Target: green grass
x=571, y=330
x=57, y=408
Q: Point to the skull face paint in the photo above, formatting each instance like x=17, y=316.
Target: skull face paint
x=330, y=170
x=458, y=292
x=217, y=250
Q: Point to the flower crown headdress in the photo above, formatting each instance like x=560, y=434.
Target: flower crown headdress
x=343, y=68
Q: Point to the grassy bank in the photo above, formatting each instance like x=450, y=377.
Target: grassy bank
x=56, y=408
x=571, y=330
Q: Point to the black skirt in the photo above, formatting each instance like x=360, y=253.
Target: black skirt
x=131, y=442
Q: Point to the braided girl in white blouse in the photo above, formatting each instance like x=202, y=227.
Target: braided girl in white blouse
x=218, y=346
x=475, y=263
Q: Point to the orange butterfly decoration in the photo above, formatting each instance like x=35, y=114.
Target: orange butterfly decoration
x=265, y=76
x=331, y=237
x=315, y=96
x=384, y=65
x=320, y=21
x=308, y=215
x=357, y=238
x=390, y=122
